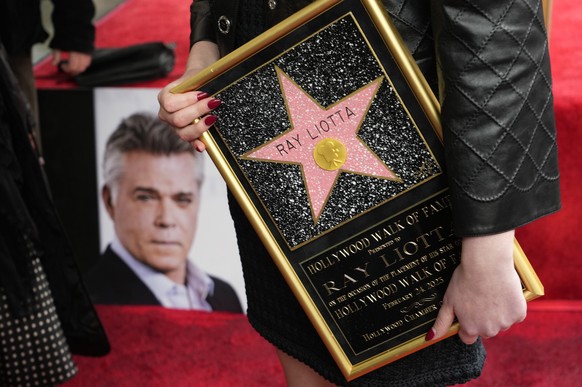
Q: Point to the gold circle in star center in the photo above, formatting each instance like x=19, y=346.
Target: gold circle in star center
x=330, y=154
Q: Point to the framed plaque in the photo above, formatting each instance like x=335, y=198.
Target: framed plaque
x=329, y=138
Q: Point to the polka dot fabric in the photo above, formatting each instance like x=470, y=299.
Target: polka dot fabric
x=33, y=348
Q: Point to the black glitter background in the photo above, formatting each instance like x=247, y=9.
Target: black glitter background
x=329, y=65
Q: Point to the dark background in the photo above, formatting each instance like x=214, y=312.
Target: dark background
x=68, y=136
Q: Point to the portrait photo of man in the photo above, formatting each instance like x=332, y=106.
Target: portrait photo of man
x=151, y=192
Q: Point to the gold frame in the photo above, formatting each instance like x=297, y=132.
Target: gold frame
x=547, y=5
x=532, y=285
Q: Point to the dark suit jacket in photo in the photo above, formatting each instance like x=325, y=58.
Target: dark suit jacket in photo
x=112, y=282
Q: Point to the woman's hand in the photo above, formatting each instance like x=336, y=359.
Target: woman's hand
x=485, y=292
x=76, y=63
x=190, y=113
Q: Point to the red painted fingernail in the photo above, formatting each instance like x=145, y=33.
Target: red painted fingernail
x=202, y=95
x=214, y=103
x=210, y=120
x=429, y=336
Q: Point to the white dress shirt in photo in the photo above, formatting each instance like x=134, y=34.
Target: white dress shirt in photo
x=192, y=295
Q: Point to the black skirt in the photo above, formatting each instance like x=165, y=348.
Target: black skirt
x=276, y=314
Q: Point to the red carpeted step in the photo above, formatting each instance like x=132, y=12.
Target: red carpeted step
x=543, y=351
x=154, y=346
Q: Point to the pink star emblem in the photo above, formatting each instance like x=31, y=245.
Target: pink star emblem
x=310, y=124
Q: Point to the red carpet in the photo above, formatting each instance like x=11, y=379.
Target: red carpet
x=155, y=347
x=552, y=244
x=543, y=351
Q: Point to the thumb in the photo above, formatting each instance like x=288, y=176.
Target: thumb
x=442, y=323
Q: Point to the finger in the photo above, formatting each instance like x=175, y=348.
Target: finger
x=193, y=131
x=200, y=110
x=198, y=145
x=469, y=333
x=186, y=116
x=467, y=338
x=85, y=62
x=180, y=110
x=72, y=65
x=77, y=66
x=442, y=323
x=172, y=103
x=180, y=118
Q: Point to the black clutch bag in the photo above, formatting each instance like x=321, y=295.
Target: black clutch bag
x=130, y=64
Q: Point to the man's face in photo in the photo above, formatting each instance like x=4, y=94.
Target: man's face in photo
x=155, y=209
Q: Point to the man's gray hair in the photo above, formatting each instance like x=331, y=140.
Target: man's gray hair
x=147, y=133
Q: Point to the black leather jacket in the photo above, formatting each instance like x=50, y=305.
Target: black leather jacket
x=495, y=92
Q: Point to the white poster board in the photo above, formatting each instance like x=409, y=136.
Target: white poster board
x=215, y=249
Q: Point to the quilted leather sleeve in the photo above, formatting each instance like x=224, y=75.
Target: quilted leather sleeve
x=497, y=113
